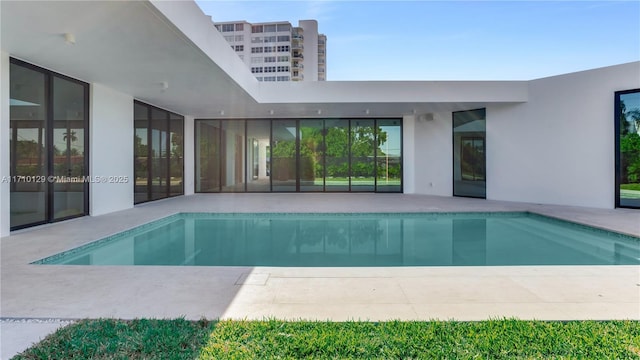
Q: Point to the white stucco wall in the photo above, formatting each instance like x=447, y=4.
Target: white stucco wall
x=111, y=149
x=4, y=144
x=433, y=155
x=189, y=156
x=558, y=148
x=408, y=154
x=310, y=52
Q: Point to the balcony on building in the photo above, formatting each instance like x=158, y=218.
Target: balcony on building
x=297, y=33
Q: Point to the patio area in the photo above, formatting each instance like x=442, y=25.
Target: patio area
x=407, y=293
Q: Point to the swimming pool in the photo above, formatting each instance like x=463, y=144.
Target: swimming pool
x=352, y=240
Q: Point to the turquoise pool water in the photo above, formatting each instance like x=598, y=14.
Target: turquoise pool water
x=325, y=240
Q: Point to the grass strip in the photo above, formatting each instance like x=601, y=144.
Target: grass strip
x=121, y=339
x=276, y=339
x=494, y=339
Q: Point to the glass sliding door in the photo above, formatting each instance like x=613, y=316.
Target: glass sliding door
x=336, y=155
x=258, y=156
x=158, y=153
x=48, y=144
x=363, y=155
x=298, y=155
x=311, y=155
x=28, y=146
x=389, y=156
x=68, y=148
x=208, y=159
x=283, y=156
x=469, y=162
x=627, y=128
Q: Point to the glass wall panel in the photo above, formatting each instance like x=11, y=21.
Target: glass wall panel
x=159, y=153
x=469, y=162
x=207, y=155
x=283, y=155
x=363, y=155
x=28, y=146
x=141, y=153
x=389, y=156
x=258, y=156
x=232, y=156
x=336, y=155
x=628, y=148
x=176, y=155
x=311, y=155
x=304, y=155
x=68, y=148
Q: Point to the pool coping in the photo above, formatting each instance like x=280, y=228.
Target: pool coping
x=463, y=293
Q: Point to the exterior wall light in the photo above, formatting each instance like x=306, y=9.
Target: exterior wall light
x=69, y=38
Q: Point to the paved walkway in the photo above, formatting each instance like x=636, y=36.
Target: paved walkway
x=464, y=293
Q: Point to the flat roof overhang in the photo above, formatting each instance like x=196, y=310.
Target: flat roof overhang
x=137, y=46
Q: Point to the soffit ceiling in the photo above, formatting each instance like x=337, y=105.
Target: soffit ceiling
x=124, y=45
x=132, y=47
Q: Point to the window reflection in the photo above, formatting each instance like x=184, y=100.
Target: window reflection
x=311, y=155
x=389, y=156
x=68, y=147
x=469, y=161
x=208, y=156
x=283, y=155
x=362, y=155
x=337, y=155
x=28, y=144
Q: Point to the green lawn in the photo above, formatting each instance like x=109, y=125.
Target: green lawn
x=275, y=339
x=118, y=339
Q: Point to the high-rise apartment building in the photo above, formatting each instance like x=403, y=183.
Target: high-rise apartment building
x=278, y=51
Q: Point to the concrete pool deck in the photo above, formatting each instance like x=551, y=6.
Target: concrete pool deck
x=408, y=293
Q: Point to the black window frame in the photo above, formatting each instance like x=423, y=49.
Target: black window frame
x=49, y=126
x=617, y=161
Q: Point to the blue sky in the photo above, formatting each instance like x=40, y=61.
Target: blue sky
x=457, y=40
